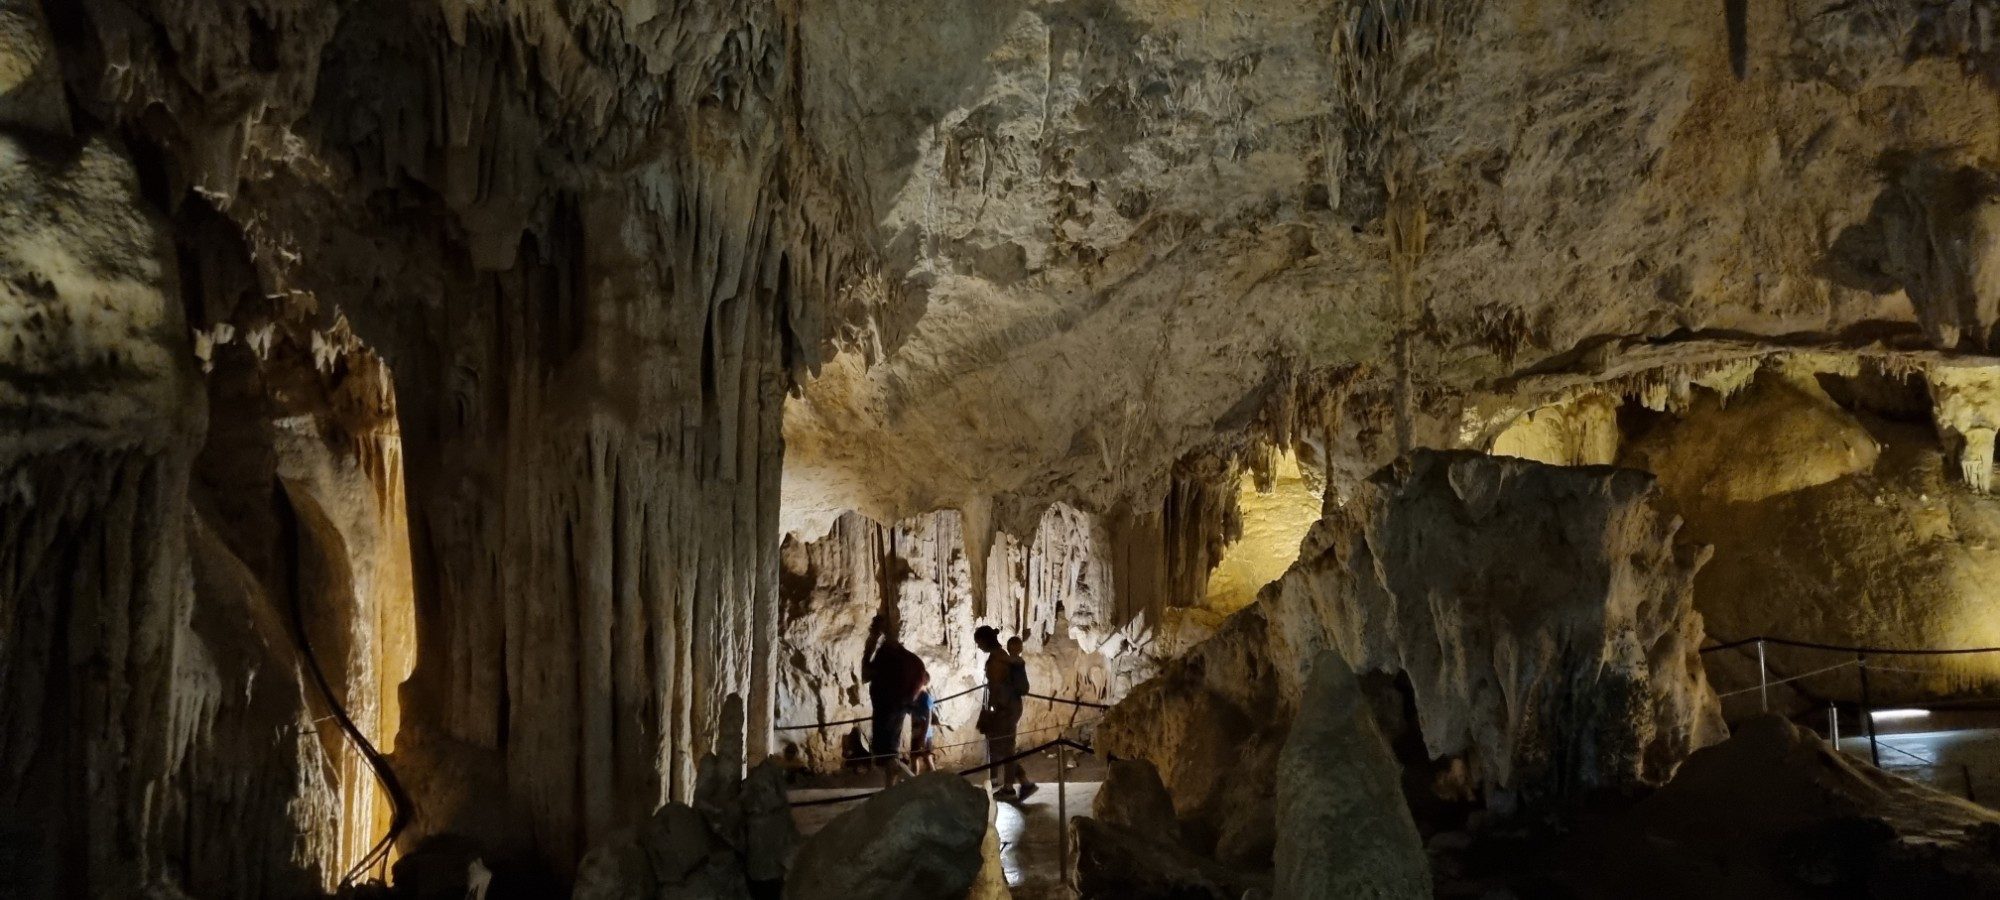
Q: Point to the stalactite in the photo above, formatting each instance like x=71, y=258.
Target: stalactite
x=1053, y=589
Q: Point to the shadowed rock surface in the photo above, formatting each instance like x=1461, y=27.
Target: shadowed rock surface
x=1343, y=829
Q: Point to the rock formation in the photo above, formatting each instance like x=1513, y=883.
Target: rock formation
x=1543, y=616
x=407, y=399
x=1132, y=796
x=920, y=840
x=1773, y=812
x=1116, y=862
x=1343, y=828
x=1052, y=589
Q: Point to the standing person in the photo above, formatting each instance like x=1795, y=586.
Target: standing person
x=895, y=676
x=1002, y=716
x=923, y=718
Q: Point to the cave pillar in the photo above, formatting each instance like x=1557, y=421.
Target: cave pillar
x=97, y=390
x=594, y=458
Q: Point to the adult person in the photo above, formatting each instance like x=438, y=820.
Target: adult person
x=895, y=676
x=1001, y=717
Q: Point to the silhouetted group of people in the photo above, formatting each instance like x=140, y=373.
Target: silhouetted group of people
x=899, y=687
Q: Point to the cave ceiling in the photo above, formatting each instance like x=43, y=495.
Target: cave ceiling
x=1111, y=232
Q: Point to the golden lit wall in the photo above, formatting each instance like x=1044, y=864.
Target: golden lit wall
x=1273, y=525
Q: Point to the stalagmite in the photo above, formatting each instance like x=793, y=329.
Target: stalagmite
x=1343, y=828
x=1967, y=410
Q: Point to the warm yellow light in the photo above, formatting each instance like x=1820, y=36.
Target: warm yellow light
x=1273, y=525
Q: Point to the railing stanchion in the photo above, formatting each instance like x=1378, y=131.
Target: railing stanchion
x=1868, y=714
x=1062, y=810
x=1763, y=679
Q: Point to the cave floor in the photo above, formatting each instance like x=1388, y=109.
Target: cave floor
x=1030, y=833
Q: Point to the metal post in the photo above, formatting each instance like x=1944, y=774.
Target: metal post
x=1062, y=810
x=1868, y=714
x=1833, y=724
x=1763, y=679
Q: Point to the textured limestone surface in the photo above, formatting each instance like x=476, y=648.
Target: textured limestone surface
x=1053, y=591
x=1132, y=796
x=1552, y=646
x=1119, y=862
x=1846, y=496
x=920, y=840
x=1343, y=828
x=1125, y=220
x=397, y=391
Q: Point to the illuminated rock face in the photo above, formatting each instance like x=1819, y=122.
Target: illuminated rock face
x=1543, y=615
x=438, y=361
x=1054, y=591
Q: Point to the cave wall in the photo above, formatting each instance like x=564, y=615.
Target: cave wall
x=104, y=413
x=1055, y=589
x=582, y=242
x=1846, y=494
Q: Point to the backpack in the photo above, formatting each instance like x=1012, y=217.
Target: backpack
x=1017, y=678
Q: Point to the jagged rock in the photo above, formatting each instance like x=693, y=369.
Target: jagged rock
x=771, y=835
x=678, y=841
x=1114, y=862
x=1133, y=797
x=919, y=840
x=1343, y=829
x=619, y=869
x=1556, y=581
x=1774, y=813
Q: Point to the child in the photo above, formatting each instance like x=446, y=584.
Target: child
x=923, y=715
x=1017, y=669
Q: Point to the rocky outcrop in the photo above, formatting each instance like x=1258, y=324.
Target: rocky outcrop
x=1343, y=828
x=1117, y=862
x=593, y=251
x=1842, y=514
x=1775, y=813
x=1542, y=615
x=1133, y=797
x=919, y=840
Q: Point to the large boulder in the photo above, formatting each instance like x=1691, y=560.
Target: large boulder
x=1132, y=796
x=919, y=840
x=1775, y=814
x=770, y=834
x=1343, y=830
x=1117, y=862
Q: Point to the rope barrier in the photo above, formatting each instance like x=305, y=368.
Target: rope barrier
x=1024, y=754
x=1842, y=648
x=941, y=701
x=818, y=725
x=1780, y=681
x=1084, y=703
